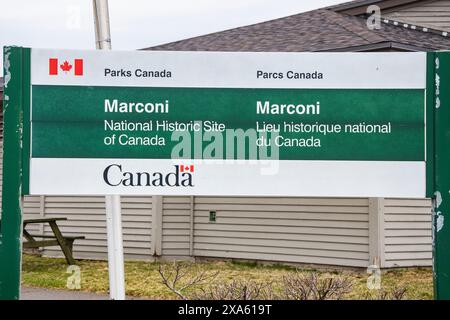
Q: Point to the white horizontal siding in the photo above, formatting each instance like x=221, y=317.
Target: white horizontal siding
x=86, y=217
x=435, y=15
x=305, y=230
x=31, y=210
x=408, y=240
x=176, y=226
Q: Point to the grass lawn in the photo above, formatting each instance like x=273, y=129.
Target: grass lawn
x=143, y=279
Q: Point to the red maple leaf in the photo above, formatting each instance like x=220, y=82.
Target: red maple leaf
x=66, y=66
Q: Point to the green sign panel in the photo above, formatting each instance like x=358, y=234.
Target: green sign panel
x=332, y=124
x=176, y=123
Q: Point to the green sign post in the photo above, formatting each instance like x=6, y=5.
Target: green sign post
x=441, y=200
x=178, y=123
x=16, y=78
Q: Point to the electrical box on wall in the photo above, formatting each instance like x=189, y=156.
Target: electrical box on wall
x=212, y=216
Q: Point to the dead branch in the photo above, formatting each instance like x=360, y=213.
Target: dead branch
x=175, y=277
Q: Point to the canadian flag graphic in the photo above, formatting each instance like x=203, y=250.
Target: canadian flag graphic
x=189, y=168
x=54, y=65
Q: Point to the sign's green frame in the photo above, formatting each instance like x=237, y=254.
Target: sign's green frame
x=15, y=139
x=438, y=110
x=16, y=157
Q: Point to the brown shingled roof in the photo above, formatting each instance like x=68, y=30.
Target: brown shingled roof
x=318, y=30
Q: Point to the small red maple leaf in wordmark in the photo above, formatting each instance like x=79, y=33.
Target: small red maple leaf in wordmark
x=189, y=168
x=66, y=66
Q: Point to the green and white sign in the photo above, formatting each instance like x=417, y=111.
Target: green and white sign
x=209, y=123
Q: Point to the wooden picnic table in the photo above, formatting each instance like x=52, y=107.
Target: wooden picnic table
x=57, y=239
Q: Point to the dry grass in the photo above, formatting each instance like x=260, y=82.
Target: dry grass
x=143, y=279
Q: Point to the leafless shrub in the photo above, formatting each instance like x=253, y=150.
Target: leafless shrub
x=188, y=281
x=298, y=286
x=396, y=293
x=179, y=277
x=237, y=290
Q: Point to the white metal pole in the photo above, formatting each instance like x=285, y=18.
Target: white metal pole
x=113, y=210
x=101, y=23
x=115, y=248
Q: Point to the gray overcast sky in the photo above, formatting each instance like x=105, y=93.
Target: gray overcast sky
x=134, y=23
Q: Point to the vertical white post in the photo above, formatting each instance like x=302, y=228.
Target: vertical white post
x=376, y=232
x=101, y=24
x=113, y=210
x=115, y=248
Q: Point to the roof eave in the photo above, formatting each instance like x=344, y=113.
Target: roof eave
x=359, y=8
x=377, y=46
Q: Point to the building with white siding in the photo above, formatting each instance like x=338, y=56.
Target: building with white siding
x=330, y=231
